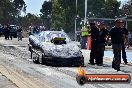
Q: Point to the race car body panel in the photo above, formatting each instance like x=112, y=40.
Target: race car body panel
x=56, y=48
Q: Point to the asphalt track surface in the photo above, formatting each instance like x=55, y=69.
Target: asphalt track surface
x=16, y=65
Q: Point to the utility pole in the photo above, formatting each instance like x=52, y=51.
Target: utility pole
x=76, y=23
x=126, y=22
x=85, y=18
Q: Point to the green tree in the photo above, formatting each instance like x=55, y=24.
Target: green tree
x=112, y=8
x=19, y=5
x=127, y=8
x=103, y=8
x=95, y=7
x=64, y=11
x=10, y=10
x=5, y=11
x=63, y=14
x=46, y=13
x=29, y=19
x=58, y=15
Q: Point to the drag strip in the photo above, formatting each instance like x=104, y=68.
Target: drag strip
x=16, y=59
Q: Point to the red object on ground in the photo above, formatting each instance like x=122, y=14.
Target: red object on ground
x=89, y=42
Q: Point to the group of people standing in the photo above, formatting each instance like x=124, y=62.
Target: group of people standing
x=10, y=32
x=36, y=29
x=98, y=39
x=100, y=36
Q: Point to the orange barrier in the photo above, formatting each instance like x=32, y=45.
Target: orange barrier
x=89, y=42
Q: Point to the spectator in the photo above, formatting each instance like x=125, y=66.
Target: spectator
x=19, y=33
x=117, y=40
x=7, y=32
x=84, y=36
x=125, y=42
x=94, y=54
x=103, y=35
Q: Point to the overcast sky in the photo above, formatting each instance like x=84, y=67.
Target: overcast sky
x=34, y=6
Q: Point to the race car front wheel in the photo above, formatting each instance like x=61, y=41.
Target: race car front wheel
x=35, y=58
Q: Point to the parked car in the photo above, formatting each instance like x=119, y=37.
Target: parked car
x=14, y=30
x=55, y=48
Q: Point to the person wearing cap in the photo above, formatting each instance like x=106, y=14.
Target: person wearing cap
x=117, y=39
x=103, y=35
x=94, y=54
x=84, y=35
x=125, y=41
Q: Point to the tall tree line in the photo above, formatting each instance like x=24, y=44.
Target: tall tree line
x=64, y=11
x=10, y=10
x=61, y=13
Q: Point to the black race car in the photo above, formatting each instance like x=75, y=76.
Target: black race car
x=54, y=48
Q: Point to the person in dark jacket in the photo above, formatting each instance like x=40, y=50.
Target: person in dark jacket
x=117, y=40
x=125, y=42
x=94, y=54
x=103, y=35
x=7, y=32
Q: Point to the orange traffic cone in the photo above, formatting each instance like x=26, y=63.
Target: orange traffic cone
x=89, y=42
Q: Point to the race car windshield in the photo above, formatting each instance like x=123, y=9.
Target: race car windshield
x=51, y=35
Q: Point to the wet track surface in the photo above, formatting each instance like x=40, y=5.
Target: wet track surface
x=15, y=55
